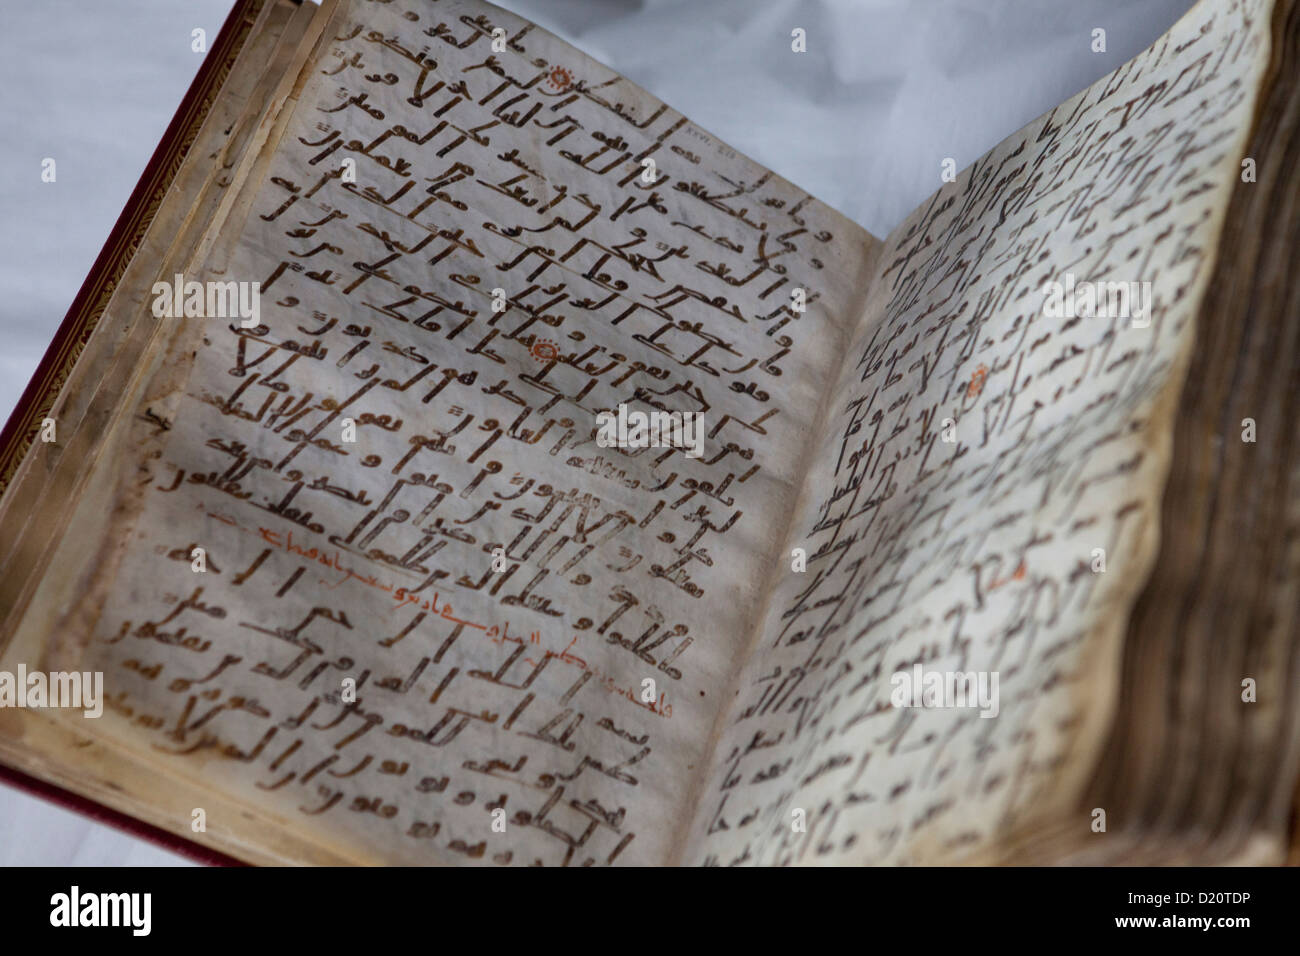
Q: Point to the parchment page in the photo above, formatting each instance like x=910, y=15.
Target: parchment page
x=432, y=620
x=985, y=461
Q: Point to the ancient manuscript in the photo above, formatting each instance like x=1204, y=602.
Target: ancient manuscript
x=366, y=583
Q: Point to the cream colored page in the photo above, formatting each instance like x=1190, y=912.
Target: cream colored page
x=981, y=456
x=350, y=657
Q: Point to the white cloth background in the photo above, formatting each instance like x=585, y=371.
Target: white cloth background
x=885, y=92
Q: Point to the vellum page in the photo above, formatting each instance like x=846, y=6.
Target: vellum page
x=984, y=462
x=432, y=620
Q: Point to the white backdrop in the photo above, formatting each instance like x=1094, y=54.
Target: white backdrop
x=886, y=90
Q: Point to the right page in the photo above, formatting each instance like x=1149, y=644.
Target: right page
x=982, y=508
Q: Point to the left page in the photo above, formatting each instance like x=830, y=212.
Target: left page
x=377, y=578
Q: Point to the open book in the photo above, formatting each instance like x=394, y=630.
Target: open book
x=458, y=456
